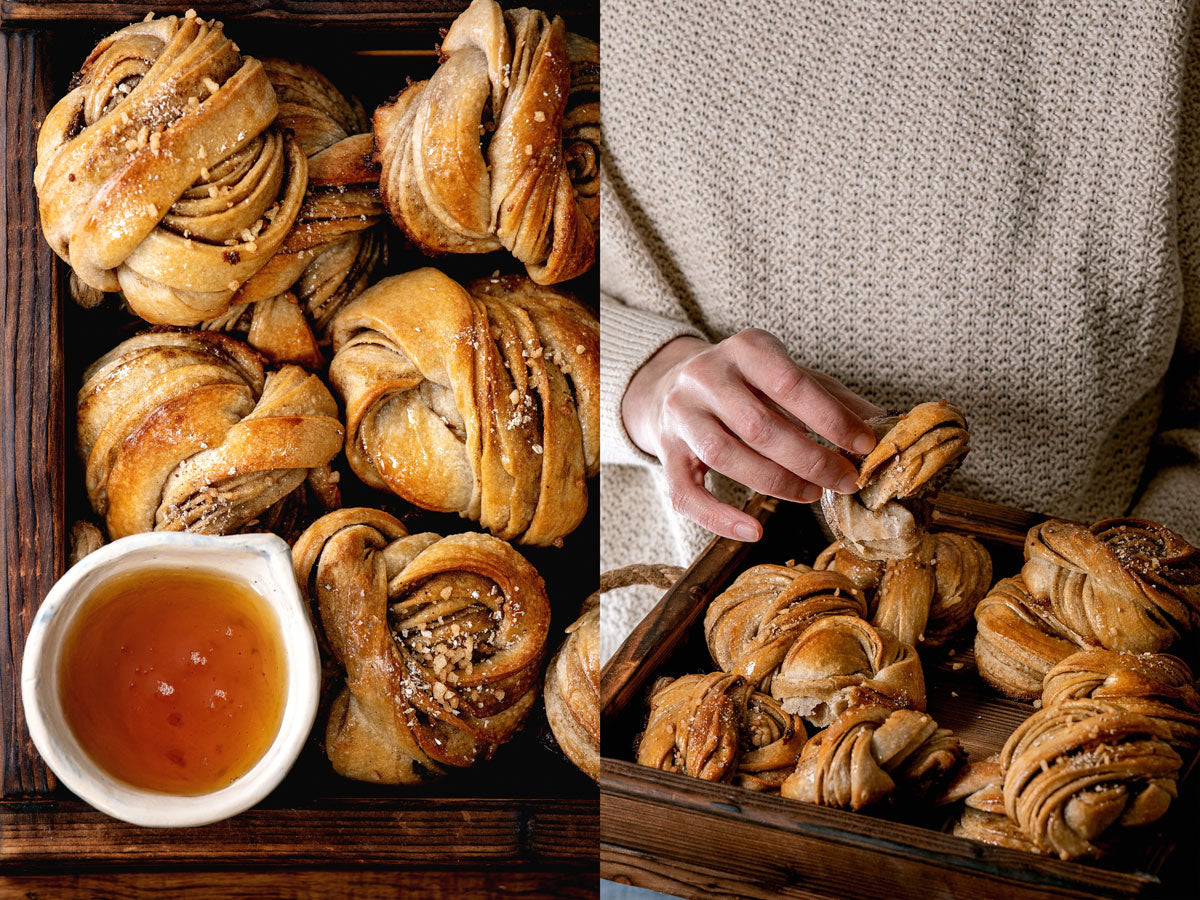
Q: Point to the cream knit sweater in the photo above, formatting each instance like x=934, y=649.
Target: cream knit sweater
x=993, y=202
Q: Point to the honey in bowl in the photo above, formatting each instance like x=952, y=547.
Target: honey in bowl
x=174, y=680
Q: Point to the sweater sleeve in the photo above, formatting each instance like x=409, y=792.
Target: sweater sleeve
x=1171, y=492
x=1172, y=483
x=628, y=337
x=640, y=310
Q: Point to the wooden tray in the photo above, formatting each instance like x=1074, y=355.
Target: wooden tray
x=524, y=822
x=690, y=837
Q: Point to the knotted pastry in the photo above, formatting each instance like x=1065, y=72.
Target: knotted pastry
x=716, y=727
x=862, y=757
x=840, y=662
x=161, y=174
x=454, y=188
x=1155, y=685
x=573, y=691
x=980, y=787
x=335, y=243
x=484, y=403
x=1018, y=639
x=181, y=431
x=573, y=676
x=916, y=453
x=926, y=598
x=1075, y=770
x=441, y=641
x=751, y=626
x=1125, y=584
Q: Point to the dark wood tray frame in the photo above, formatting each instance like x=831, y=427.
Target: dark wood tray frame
x=681, y=835
x=469, y=837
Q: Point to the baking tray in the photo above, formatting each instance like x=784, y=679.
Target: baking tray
x=698, y=839
x=525, y=821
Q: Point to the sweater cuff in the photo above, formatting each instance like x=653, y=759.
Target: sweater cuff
x=1172, y=494
x=628, y=337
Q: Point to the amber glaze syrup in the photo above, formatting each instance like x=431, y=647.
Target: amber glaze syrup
x=174, y=680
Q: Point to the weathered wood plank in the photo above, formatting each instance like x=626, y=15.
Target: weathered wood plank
x=772, y=844
x=31, y=389
x=409, y=832
x=310, y=884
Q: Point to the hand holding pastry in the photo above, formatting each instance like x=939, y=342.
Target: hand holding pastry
x=745, y=409
x=916, y=453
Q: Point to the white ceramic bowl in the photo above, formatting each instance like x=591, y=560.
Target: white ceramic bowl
x=260, y=560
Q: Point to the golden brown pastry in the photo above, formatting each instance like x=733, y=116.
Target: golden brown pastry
x=753, y=623
x=1076, y=770
x=1155, y=685
x=840, y=662
x=483, y=154
x=573, y=691
x=718, y=728
x=1019, y=639
x=927, y=598
x=573, y=676
x=482, y=402
x=331, y=250
x=980, y=787
x=183, y=431
x=864, y=574
x=1125, y=584
x=440, y=639
x=862, y=757
x=161, y=173
x=916, y=453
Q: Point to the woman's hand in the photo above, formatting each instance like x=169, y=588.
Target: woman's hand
x=744, y=409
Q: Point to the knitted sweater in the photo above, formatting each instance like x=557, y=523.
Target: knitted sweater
x=992, y=202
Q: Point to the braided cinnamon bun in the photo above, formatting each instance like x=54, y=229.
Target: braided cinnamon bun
x=161, y=173
x=286, y=309
x=1155, y=685
x=916, y=453
x=573, y=691
x=867, y=753
x=497, y=148
x=1019, y=639
x=1076, y=770
x=183, y=431
x=1124, y=584
x=440, y=639
x=840, y=662
x=753, y=623
x=979, y=786
x=483, y=402
x=716, y=727
x=928, y=597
